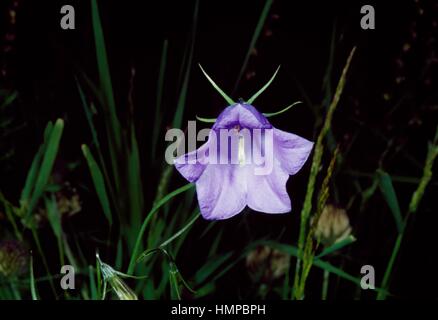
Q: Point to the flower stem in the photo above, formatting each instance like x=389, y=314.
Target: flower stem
x=147, y=220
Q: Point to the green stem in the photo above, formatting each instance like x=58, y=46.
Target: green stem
x=413, y=206
x=43, y=257
x=147, y=220
x=316, y=163
x=325, y=284
x=383, y=294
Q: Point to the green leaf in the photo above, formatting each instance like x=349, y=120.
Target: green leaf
x=171, y=239
x=135, y=182
x=159, y=99
x=9, y=99
x=267, y=115
x=255, y=96
x=31, y=177
x=337, y=246
x=93, y=287
x=53, y=215
x=390, y=196
x=292, y=250
x=213, y=264
x=221, y=92
x=88, y=114
x=51, y=150
x=103, y=68
x=173, y=279
x=108, y=102
x=99, y=184
x=33, y=289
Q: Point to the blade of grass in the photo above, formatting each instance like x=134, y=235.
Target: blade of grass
x=135, y=184
x=33, y=288
x=46, y=165
x=108, y=102
x=93, y=288
x=99, y=183
x=53, y=215
x=9, y=99
x=104, y=73
x=89, y=116
x=31, y=177
x=337, y=246
x=172, y=238
x=159, y=99
x=294, y=251
x=149, y=216
x=213, y=264
x=390, y=196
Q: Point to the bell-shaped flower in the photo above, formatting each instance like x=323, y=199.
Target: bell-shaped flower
x=245, y=162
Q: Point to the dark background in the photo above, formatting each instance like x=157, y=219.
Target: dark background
x=390, y=90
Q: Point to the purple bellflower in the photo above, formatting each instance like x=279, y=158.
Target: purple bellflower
x=245, y=162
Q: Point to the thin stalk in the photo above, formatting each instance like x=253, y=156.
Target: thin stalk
x=316, y=163
x=325, y=285
x=146, y=223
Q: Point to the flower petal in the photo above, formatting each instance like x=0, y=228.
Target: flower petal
x=191, y=165
x=291, y=150
x=267, y=193
x=244, y=115
x=267, y=179
x=221, y=191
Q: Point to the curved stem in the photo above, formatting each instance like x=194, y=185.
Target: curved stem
x=147, y=220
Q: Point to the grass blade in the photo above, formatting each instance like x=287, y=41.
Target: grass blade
x=159, y=99
x=104, y=73
x=337, y=246
x=294, y=251
x=391, y=198
x=135, y=182
x=99, y=183
x=33, y=289
x=53, y=215
x=9, y=99
x=213, y=264
x=48, y=160
x=146, y=221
